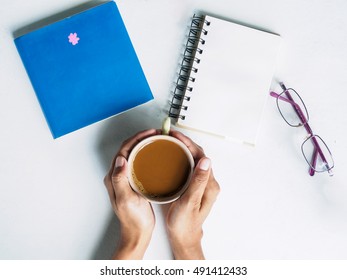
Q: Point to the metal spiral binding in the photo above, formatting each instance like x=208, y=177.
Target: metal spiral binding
x=185, y=77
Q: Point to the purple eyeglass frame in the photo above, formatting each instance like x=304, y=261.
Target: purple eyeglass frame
x=317, y=149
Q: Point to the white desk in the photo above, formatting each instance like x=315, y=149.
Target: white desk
x=53, y=204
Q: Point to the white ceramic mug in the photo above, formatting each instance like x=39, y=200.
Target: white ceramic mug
x=136, y=187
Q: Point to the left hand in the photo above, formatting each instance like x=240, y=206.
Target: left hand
x=135, y=213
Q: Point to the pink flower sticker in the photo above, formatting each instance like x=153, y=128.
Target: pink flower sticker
x=73, y=39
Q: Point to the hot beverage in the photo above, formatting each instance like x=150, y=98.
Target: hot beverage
x=160, y=167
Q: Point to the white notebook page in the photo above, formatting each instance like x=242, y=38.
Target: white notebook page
x=232, y=82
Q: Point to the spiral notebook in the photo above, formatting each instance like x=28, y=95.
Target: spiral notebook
x=224, y=78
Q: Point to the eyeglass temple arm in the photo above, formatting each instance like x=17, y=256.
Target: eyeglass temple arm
x=301, y=115
x=313, y=161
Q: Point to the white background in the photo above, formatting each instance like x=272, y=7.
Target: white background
x=53, y=204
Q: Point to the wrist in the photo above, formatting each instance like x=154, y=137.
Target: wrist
x=183, y=252
x=132, y=246
x=186, y=248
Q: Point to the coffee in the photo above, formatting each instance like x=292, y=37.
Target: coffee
x=160, y=168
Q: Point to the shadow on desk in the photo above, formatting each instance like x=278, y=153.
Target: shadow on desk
x=113, y=134
x=108, y=242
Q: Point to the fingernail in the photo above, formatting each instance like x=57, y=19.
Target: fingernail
x=119, y=161
x=205, y=164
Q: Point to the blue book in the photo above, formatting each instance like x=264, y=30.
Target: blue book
x=83, y=69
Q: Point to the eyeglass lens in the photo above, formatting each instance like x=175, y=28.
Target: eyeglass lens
x=292, y=108
x=321, y=160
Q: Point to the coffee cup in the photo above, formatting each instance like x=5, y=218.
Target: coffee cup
x=160, y=168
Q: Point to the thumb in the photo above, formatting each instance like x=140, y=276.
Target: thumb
x=199, y=181
x=119, y=176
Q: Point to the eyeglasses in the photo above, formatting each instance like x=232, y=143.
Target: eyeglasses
x=294, y=112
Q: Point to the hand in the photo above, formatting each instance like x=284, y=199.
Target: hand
x=133, y=211
x=187, y=214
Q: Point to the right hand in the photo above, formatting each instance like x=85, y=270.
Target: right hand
x=186, y=215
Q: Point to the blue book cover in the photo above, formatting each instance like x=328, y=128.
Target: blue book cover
x=83, y=69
